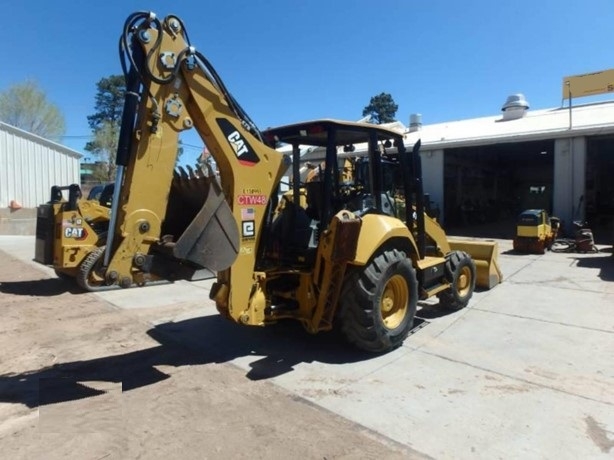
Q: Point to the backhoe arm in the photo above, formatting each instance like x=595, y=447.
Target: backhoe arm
x=192, y=220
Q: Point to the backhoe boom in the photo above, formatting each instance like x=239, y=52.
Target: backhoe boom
x=179, y=90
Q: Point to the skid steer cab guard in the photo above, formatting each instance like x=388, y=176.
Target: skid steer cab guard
x=535, y=231
x=352, y=247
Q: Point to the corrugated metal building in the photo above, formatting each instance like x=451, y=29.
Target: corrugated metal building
x=29, y=166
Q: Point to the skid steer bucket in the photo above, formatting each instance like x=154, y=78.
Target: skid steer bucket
x=485, y=254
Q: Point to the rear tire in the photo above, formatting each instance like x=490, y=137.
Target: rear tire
x=460, y=272
x=379, y=303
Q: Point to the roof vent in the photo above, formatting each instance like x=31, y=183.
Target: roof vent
x=515, y=107
x=415, y=122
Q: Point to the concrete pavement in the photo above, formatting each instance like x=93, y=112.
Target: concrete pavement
x=527, y=370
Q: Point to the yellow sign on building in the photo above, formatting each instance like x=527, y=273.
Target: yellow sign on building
x=589, y=84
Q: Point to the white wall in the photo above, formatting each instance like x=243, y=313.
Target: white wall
x=432, y=176
x=569, y=179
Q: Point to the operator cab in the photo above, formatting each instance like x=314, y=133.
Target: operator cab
x=392, y=188
x=362, y=168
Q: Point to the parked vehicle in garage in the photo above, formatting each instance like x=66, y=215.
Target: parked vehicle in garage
x=535, y=231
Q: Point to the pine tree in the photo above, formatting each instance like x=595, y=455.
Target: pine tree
x=382, y=109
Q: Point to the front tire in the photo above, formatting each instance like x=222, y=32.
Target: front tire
x=88, y=277
x=460, y=272
x=379, y=303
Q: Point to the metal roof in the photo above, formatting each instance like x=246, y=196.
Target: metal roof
x=587, y=119
x=39, y=140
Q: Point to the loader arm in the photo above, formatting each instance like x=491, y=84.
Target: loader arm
x=176, y=89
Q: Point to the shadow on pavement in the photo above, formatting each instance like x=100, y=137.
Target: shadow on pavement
x=431, y=311
x=47, y=287
x=274, y=351
x=605, y=264
x=512, y=252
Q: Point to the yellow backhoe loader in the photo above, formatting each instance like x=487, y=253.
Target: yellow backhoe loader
x=337, y=252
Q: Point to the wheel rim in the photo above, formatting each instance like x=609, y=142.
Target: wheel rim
x=463, y=285
x=393, y=305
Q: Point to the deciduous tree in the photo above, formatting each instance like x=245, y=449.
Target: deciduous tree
x=25, y=106
x=104, y=146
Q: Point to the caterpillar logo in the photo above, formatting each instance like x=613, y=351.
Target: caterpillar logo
x=237, y=143
x=244, y=152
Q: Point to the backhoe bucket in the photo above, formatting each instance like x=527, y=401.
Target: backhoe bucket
x=199, y=213
x=212, y=239
x=484, y=254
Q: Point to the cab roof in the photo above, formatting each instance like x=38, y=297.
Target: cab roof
x=316, y=133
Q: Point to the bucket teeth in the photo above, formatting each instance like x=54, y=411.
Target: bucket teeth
x=191, y=172
x=189, y=183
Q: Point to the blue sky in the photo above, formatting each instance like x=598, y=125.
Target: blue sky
x=287, y=61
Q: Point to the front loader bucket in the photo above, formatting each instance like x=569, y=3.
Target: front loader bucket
x=484, y=254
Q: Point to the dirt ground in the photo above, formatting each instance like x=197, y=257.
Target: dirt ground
x=81, y=379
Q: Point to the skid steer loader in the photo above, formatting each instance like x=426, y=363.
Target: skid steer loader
x=336, y=252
